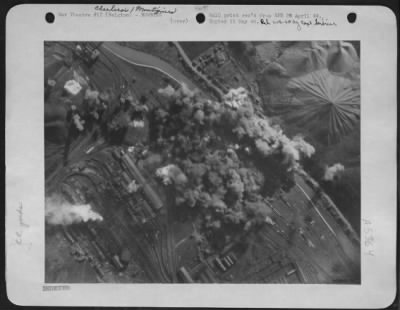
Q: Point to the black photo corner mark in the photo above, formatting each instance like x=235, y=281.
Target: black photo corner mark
x=50, y=17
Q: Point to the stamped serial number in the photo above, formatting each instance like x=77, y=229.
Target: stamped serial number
x=56, y=287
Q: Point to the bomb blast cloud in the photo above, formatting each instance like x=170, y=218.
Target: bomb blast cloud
x=60, y=212
x=269, y=139
x=333, y=171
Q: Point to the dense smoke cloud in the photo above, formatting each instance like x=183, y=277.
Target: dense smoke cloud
x=168, y=91
x=182, y=91
x=60, y=212
x=333, y=171
x=269, y=139
x=290, y=152
x=292, y=149
x=305, y=148
x=171, y=173
x=236, y=97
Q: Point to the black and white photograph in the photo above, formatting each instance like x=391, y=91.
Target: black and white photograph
x=207, y=156
x=202, y=162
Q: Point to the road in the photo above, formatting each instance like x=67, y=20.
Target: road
x=335, y=248
x=162, y=255
x=145, y=60
x=316, y=209
x=349, y=250
x=201, y=76
x=320, y=248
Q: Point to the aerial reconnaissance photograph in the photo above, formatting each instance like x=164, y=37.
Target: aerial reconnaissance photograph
x=202, y=162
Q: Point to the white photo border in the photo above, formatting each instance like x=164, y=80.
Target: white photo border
x=26, y=32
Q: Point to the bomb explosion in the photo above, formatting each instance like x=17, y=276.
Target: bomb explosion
x=202, y=162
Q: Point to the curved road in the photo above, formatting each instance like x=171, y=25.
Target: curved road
x=203, y=77
x=145, y=60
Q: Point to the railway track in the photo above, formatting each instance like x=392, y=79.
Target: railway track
x=151, y=257
x=154, y=254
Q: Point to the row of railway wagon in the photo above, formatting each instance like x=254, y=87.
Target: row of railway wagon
x=151, y=204
x=90, y=248
x=205, y=271
x=225, y=262
x=107, y=241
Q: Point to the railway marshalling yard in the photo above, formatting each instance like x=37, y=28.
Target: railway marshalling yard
x=143, y=236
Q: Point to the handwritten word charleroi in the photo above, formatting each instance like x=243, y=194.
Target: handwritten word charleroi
x=299, y=23
x=156, y=10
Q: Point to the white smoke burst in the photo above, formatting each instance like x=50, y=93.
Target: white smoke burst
x=59, y=212
x=182, y=91
x=269, y=139
x=333, y=171
x=292, y=149
x=168, y=91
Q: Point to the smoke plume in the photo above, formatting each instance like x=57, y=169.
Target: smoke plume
x=269, y=139
x=60, y=212
x=333, y=171
x=168, y=91
x=292, y=149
